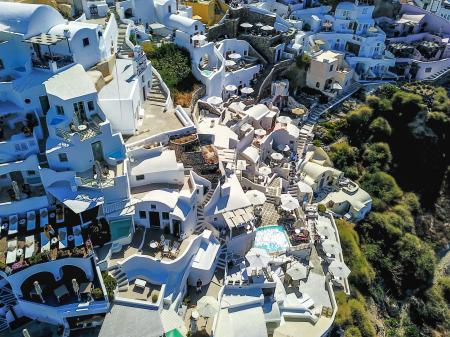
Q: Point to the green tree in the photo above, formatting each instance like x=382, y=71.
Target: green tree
x=343, y=155
x=352, y=331
x=377, y=157
x=359, y=117
x=406, y=105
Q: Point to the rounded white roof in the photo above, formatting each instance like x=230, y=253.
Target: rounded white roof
x=28, y=19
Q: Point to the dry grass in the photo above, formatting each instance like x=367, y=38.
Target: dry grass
x=183, y=98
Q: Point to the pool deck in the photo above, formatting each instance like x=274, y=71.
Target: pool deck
x=282, y=247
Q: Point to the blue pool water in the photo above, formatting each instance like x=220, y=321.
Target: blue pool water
x=120, y=228
x=271, y=238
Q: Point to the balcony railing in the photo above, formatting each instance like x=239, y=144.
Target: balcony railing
x=90, y=131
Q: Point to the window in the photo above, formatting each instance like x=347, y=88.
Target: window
x=169, y=9
x=317, y=85
x=364, y=11
x=331, y=68
x=140, y=177
x=85, y=42
x=91, y=106
x=31, y=172
x=2, y=66
x=428, y=70
x=165, y=216
x=27, y=100
x=196, y=27
x=153, y=206
x=60, y=110
x=142, y=214
x=63, y=157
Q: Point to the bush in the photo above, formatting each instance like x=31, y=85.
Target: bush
x=382, y=186
x=380, y=128
x=430, y=310
x=377, y=157
x=343, y=155
x=444, y=283
x=154, y=298
x=353, y=331
x=406, y=105
x=387, y=91
x=321, y=208
x=110, y=284
x=303, y=61
x=97, y=294
x=359, y=117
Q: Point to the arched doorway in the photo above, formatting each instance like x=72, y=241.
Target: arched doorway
x=46, y=282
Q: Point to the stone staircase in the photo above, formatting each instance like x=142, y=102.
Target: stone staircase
x=7, y=300
x=223, y=256
x=157, y=96
x=122, y=48
x=120, y=277
x=437, y=76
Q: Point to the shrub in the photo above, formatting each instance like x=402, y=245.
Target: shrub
x=444, y=283
x=321, y=208
x=406, y=105
x=97, y=294
x=380, y=128
x=387, y=91
x=154, y=298
x=110, y=284
x=303, y=61
x=382, y=186
x=353, y=331
x=343, y=155
x=377, y=157
x=359, y=118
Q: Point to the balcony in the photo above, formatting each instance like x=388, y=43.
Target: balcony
x=84, y=131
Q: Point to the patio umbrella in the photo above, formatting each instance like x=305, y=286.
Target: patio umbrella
x=38, y=289
x=372, y=30
x=284, y=119
x=336, y=86
x=25, y=333
x=276, y=156
x=297, y=272
x=288, y=202
x=325, y=230
x=234, y=56
x=246, y=25
x=267, y=28
x=339, y=269
x=214, y=100
x=319, y=42
x=199, y=37
x=174, y=333
x=76, y=287
x=298, y=111
x=229, y=63
x=284, y=148
x=247, y=90
x=259, y=24
x=257, y=257
x=260, y=132
x=230, y=87
x=207, y=306
x=256, y=197
x=331, y=247
x=264, y=170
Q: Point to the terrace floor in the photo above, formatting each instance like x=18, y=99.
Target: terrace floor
x=35, y=328
x=141, y=294
x=156, y=120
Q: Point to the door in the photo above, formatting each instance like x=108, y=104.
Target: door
x=176, y=227
x=97, y=151
x=93, y=10
x=78, y=108
x=45, y=105
x=154, y=220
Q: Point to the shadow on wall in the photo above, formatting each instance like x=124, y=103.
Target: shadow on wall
x=386, y=8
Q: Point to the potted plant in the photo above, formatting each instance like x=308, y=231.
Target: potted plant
x=97, y=294
x=154, y=298
x=321, y=208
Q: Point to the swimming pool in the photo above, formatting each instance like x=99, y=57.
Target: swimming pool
x=206, y=72
x=271, y=238
x=120, y=228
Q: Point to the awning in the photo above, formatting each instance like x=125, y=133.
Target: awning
x=45, y=39
x=78, y=201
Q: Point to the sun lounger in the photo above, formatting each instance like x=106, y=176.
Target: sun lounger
x=29, y=246
x=43, y=215
x=45, y=243
x=78, y=238
x=166, y=247
x=308, y=304
x=31, y=221
x=62, y=236
x=13, y=224
x=11, y=256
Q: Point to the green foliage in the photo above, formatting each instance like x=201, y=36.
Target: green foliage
x=352, y=315
x=387, y=91
x=362, y=274
x=303, y=61
x=321, y=208
x=172, y=62
x=431, y=309
x=377, y=157
x=382, y=186
x=353, y=331
x=97, y=294
x=417, y=260
x=360, y=117
x=110, y=284
x=444, y=283
x=406, y=105
x=411, y=200
x=343, y=155
x=380, y=128
x=441, y=101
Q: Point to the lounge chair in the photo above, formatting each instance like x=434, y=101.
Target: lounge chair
x=11, y=255
x=45, y=243
x=43, y=215
x=162, y=240
x=62, y=237
x=166, y=247
x=29, y=246
x=13, y=224
x=31, y=221
x=78, y=237
x=308, y=304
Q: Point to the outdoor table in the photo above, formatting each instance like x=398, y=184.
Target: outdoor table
x=19, y=252
x=140, y=283
x=5, y=226
x=52, y=215
x=54, y=240
x=297, y=231
x=82, y=127
x=195, y=315
x=153, y=244
x=22, y=221
x=70, y=237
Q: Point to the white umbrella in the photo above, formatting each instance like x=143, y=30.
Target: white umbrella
x=207, y=306
x=297, y=272
x=229, y=63
x=288, y=202
x=331, y=247
x=276, y=156
x=214, y=100
x=325, y=230
x=199, y=37
x=284, y=119
x=25, y=333
x=257, y=257
x=259, y=24
x=284, y=148
x=267, y=28
x=246, y=25
x=38, y=289
x=247, y=90
x=256, y=197
x=339, y=269
x=336, y=86
x=234, y=56
x=264, y=170
x=230, y=87
x=260, y=132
